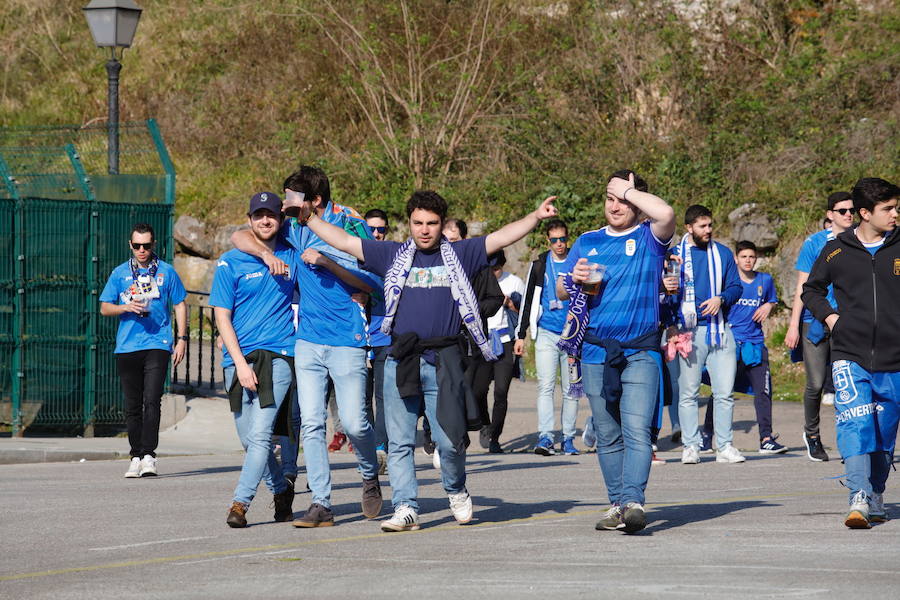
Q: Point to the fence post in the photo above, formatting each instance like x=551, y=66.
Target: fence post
x=91, y=307
x=17, y=375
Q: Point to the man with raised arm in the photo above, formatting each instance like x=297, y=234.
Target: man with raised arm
x=429, y=298
x=613, y=326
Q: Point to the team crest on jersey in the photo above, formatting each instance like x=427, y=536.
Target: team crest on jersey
x=159, y=280
x=759, y=290
x=630, y=247
x=897, y=266
x=844, y=387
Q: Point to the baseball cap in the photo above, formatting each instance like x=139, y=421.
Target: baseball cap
x=268, y=200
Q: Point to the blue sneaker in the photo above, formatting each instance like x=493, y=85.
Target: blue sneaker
x=568, y=447
x=770, y=446
x=705, y=442
x=544, y=447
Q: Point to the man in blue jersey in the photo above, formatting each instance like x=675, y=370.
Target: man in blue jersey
x=331, y=341
x=803, y=326
x=254, y=316
x=612, y=279
x=429, y=298
x=545, y=315
x=142, y=292
x=710, y=286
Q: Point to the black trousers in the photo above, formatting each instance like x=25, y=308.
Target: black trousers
x=142, y=375
x=501, y=373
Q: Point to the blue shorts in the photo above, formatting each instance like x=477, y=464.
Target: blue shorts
x=867, y=409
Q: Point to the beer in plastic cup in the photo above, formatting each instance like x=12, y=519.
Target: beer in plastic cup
x=673, y=269
x=591, y=285
x=146, y=304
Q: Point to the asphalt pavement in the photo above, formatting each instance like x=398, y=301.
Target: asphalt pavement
x=768, y=528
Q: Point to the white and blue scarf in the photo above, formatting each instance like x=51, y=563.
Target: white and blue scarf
x=715, y=332
x=460, y=289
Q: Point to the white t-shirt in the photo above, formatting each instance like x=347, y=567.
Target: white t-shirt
x=509, y=283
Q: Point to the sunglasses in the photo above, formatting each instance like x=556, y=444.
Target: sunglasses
x=844, y=211
x=378, y=229
x=137, y=246
x=556, y=240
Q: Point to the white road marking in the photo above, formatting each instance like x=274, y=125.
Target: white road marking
x=172, y=541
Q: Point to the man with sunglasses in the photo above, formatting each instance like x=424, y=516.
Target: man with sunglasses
x=141, y=293
x=803, y=326
x=379, y=344
x=545, y=314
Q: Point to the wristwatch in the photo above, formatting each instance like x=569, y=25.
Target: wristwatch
x=183, y=337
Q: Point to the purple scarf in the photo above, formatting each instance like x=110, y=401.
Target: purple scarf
x=572, y=337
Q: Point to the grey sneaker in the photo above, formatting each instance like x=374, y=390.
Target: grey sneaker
x=633, y=518
x=611, y=520
x=877, y=513
x=858, y=516
x=315, y=516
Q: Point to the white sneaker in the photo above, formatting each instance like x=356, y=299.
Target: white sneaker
x=690, y=455
x=729, y=455
x=148, y=466
x=404, y=519
x=877, y=513
x=587, y=437
x=436, y=459
x=461, y=506
x=828, y=399
x=134, y=468
x=858, y=516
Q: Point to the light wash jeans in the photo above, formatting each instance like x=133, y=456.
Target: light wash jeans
x=547, y=360
x=623, y=428
x=254, y=428
x=721, y=363
x=401, y=415
x=347, y=368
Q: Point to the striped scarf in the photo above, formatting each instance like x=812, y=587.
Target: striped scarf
x=715, y=332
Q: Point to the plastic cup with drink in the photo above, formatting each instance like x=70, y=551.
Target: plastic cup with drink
x=672, y=274
x=591, y=285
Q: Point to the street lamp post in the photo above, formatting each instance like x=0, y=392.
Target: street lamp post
x=113, y=24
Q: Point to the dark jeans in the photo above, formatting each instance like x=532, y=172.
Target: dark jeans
x=816, y=363
x=761, y=380
x=501, y=373
x=375, y=391
x=142, y=375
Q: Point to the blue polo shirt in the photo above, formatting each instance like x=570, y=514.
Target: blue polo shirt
x=153, y=332
x=552, y=319
x=327, y=314
x=260, y=303
x=627, y=306
x=753, y=295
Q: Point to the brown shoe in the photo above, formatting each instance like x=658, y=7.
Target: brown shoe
x=284, y=503
x=315, y=516
x=237, y=515
x=371, y=498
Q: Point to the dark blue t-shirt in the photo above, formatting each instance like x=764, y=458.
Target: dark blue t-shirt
x=426, y=307
x=753, y=295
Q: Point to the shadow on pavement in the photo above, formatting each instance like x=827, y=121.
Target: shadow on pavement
x=669, y=517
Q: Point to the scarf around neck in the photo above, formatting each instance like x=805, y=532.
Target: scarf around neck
x=460, y=289
x=715, y=332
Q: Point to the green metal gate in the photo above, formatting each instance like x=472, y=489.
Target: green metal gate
x=64, y=225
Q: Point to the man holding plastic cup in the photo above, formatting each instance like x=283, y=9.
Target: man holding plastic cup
x=615, y=332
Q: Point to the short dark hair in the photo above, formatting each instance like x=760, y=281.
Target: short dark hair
x=497, y=259
x=459, y=224
x=869, y=191
x=745, y=245
x=639, y=182
x=694, y=212
x=427, y=200
x=143, y=228
x=376, y=213
x=838, y=197
x=556, y=224
x=311, y=181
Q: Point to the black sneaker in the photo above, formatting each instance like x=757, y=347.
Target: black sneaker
x=284, y=502
x=633, y=517
x=315, y=516
x=484, y=437
x=814, y=449
x=428, y=444
x=371, y=498
x=495, y=447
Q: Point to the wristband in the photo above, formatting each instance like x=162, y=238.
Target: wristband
x=625, y=193
x=183, y=337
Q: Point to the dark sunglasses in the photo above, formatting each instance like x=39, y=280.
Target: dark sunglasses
x=563, y=239
x=844, y=211
x=137, y=246
x=378, y=229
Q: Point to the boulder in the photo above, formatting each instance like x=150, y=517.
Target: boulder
x=196, y=272
x=193, y=237
x=221, y=240
x=748, y=223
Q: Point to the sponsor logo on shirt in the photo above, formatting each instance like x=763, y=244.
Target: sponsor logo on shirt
x=855, y=412
x=832, y=255
x=751, y=302
x=897, y=266
x=253, y=275
x=221, y=263
x=593, y=252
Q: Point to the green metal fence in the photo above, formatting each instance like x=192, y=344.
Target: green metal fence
x=64, y=225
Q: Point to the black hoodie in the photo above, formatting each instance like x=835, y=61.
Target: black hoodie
x=866, y=288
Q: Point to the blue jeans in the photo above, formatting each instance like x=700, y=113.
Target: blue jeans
x=374, y=392
x=347, y=368
x=254, y=428
x=291, y=450
x=547, y=360
x=623, y=428
x=721, y=363
x=401, y=415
